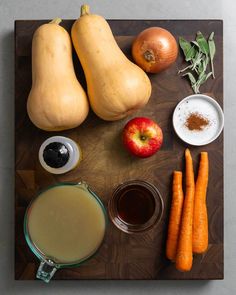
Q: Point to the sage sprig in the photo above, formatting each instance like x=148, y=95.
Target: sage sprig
x=198, y=53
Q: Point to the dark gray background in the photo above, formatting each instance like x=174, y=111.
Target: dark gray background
x=113, y=9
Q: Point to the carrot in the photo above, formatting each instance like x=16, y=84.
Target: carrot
x=184, y=255
x=175, y=215
x=200, y=219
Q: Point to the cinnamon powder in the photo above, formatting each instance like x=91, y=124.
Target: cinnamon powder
x=196, y=121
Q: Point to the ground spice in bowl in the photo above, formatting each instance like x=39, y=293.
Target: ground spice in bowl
x=196, y=121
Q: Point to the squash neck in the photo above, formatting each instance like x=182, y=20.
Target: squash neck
x=56, y=21
x=84, y=10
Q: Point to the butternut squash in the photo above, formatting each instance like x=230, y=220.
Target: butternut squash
x=116, y=86
x=56, y=100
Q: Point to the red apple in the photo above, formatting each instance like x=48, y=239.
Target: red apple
x=142, y=137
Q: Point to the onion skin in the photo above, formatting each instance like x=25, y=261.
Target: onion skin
x=154, y=50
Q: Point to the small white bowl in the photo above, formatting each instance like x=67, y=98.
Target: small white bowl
x=208, y=108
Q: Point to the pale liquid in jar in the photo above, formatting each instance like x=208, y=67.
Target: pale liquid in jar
x=66, y=223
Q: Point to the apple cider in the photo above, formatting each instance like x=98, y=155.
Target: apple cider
x=135, y=206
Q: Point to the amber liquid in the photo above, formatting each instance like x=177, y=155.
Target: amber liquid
x=135, y=204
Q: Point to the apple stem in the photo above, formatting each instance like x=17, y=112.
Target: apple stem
x=143, y=137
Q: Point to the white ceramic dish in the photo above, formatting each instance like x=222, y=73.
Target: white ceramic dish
x=206, y=107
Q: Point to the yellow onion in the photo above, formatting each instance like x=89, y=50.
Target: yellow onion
x=154, y=49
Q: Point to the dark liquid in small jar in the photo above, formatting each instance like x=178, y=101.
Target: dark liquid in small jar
x=135, y=204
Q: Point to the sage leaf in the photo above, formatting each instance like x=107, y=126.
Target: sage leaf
x=200, y=68
x=201, y=75
x=202, y=42
x=205, y=63
x=205, y=78
x=190, y=54
x=190, y=76
x=201, y=79
x=195, y=43
x=185, y=46
x=212, y=51
x=191, y=79
x=197, y=60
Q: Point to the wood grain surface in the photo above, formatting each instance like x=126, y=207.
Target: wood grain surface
x=106, y=163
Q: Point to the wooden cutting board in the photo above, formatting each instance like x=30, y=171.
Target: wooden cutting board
x=106, y=164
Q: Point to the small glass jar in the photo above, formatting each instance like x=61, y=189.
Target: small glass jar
x=70, y=146
x=135, y=206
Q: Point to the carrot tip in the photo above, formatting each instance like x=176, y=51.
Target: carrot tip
x=204, y=154
x=178, y=172
x=187, y=151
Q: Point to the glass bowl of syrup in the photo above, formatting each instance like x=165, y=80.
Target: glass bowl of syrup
x=135, y=206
